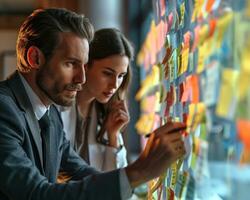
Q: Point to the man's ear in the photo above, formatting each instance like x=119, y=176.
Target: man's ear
x=35, y=57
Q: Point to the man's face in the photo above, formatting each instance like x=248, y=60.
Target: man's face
x=63, y=75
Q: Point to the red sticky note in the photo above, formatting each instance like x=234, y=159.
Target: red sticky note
x=181, y=89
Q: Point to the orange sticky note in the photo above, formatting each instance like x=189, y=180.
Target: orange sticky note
x=195, y=88
x=209, y=5
x=243, y=128
x=212, y=26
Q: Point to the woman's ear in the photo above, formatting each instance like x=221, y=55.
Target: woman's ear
x=35, y=57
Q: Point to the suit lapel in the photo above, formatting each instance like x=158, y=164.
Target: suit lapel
x=20, y=94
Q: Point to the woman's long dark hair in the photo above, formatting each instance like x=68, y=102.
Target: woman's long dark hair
x=108, y=42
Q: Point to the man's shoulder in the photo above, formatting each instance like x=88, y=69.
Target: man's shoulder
x=3, y=84
x=5, y=91
x=7, y=98
x=8, y=104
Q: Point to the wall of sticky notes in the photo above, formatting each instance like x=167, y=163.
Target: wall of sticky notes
x=195, y=68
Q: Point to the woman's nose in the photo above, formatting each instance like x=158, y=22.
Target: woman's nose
x=115, y=83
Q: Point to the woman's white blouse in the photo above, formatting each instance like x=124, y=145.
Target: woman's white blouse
x=104, y=158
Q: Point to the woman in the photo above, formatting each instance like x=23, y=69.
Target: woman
x=94, y=124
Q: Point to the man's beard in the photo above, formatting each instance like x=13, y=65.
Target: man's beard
x=55, y=92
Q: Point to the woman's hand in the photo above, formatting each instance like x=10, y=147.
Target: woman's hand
x=116, y=119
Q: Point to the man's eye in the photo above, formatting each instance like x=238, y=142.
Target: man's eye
x=69, y=64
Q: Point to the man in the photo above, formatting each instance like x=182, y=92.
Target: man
x=52, y=49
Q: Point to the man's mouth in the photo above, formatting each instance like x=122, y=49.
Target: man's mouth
x=74, y=87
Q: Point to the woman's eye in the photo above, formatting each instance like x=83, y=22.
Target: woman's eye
x=121, y=75
x=107, y=73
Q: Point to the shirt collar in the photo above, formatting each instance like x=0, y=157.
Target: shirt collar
x=38, y=107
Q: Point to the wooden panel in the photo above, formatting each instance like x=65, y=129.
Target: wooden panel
x=69, y=4
x=11, y=21
x=14, y=20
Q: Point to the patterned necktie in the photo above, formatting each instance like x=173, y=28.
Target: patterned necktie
x=45, y=126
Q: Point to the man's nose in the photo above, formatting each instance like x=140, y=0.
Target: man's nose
x=80, y=76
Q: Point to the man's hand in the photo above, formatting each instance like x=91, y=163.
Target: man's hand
x=164, y=146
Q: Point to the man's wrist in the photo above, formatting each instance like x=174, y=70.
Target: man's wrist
x=135, y=176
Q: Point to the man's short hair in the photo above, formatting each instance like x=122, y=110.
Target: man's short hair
x=42, y=28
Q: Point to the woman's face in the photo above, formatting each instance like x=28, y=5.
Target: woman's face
x=105, y=76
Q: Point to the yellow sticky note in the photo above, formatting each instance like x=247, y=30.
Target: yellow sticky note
x=150, y=81
x=198, y=4
x=203, y=33
x=245, y=61
x=182, y=9
x=196, y=115
x=145, y=123
x=184, y=65
x=201, y=58
x=227, y=93
x=243, y=85
x=222, y=25
x=247, y=11
x=139, y=59
x=244, y=80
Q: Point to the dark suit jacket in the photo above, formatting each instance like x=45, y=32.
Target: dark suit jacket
x=21, y=165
